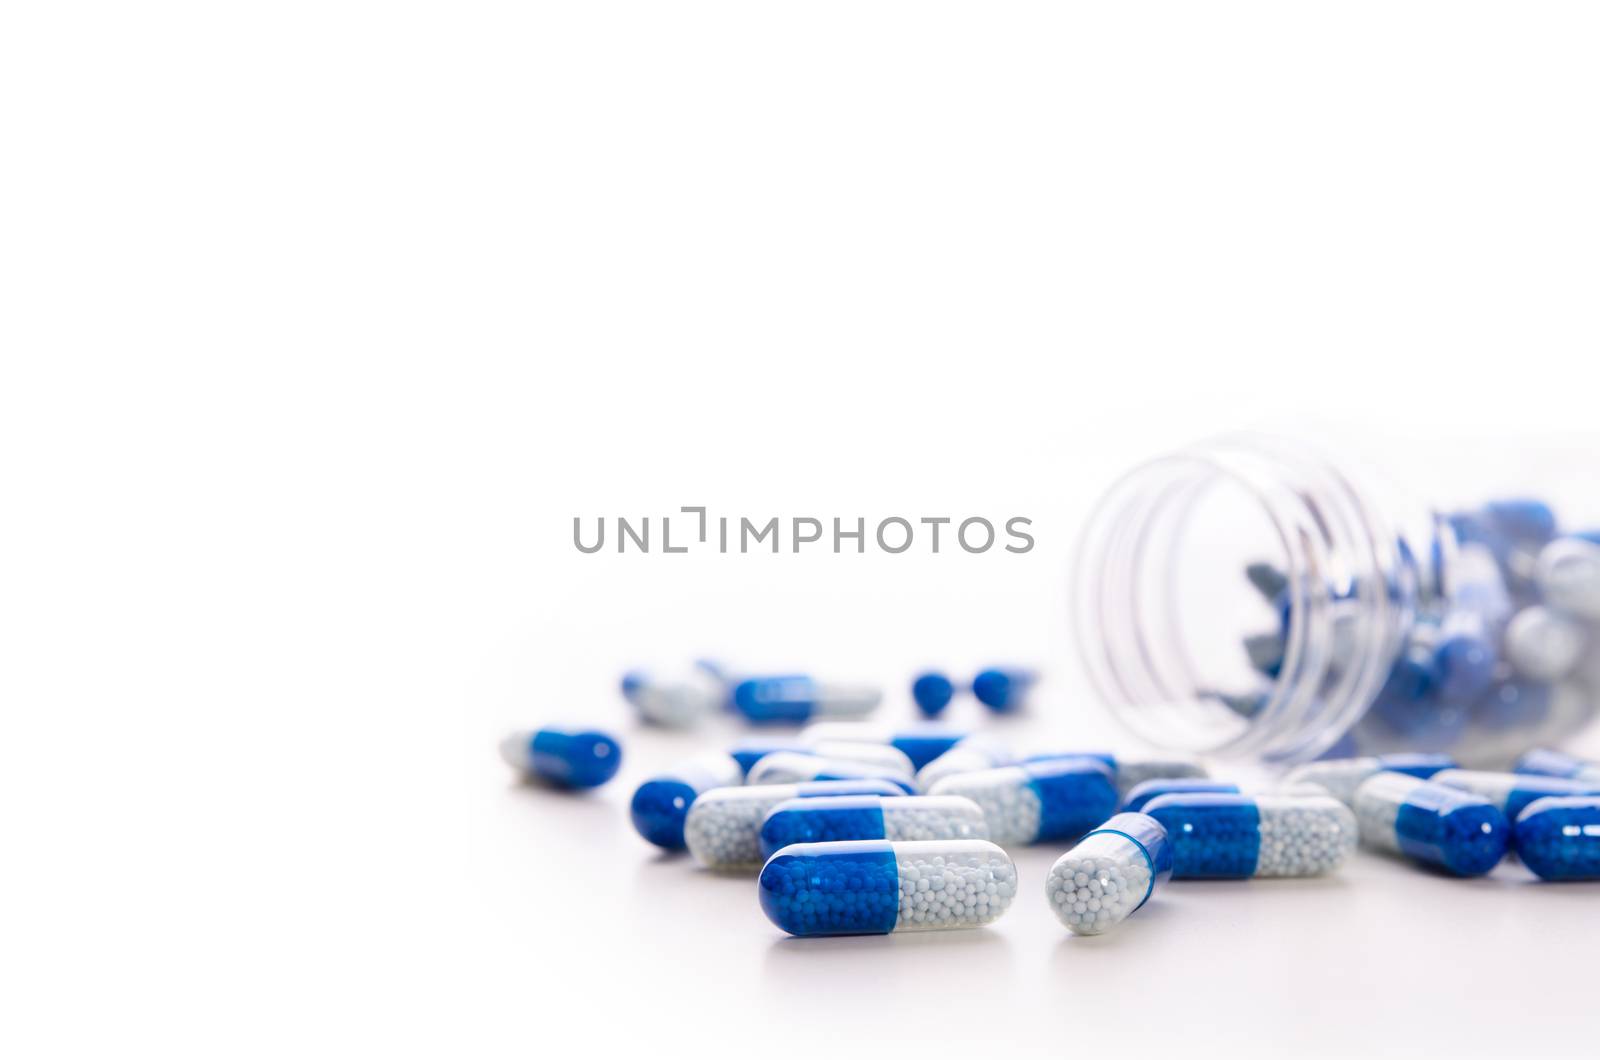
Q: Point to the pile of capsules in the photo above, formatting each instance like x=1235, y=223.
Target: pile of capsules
x=853, y=827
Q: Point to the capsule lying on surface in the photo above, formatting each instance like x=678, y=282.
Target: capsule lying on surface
x=674, y=701
x=1130, y=772
x=661, y=804
x=1549, y=763
x=875, y=887
x=790, y=767
x=1342, y=776
x=1141, y=794
x=567, y=758
x=1037, y=801
x=920, y=744
x=1236, y=837
x=1558, y=838
x=1512, y=792
x=1110, y=874
x=797, y=698
x=909, y=818
x=932, y=692
x=723, y=829
x=978, y=751
x=1003, y=690
x=1456, y=830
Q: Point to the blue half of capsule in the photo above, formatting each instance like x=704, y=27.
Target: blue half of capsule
x=1421, y=765
x=1524, y=519
x=568, y=758
x=1141, y=794
x=924, y=747
x=1544, y=762
x=932, y=692
x=1003, y=690
x=1213, y=836
x=1075, y=794
x=834, y=889
x=1558, y=838
x=661, y=804
x=1454, y=829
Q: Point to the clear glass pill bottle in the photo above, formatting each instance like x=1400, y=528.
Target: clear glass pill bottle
x=1254, y=596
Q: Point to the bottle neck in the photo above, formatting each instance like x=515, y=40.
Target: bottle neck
x=1191, y=653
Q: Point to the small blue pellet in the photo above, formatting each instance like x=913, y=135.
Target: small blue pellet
x=1003, y=690
x=568, y=758
x=1141, y=794
x=932, y=692
x=1558, y=838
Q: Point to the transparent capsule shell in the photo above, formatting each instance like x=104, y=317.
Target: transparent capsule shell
x=1236, y=837
x=1462, y=833
x=1038, y=801
x=875, y=887
x=1558, y=838
x=910, y=818
x=723, y=827
x=1109, y=874
x=791, y=767
x=661, y=804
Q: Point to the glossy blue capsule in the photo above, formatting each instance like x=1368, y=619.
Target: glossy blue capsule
x=1236, y=837
x=921, y=744
x=1038, y=801
x=1141, y=794
x=1549, y=763
x=795, y=699
x=932, y=692
x=874, y=887
x=1003, y=690
x=661, y=804
x=841, y=817
x=567, y=758
x=1558, y=838
x=1462, y=833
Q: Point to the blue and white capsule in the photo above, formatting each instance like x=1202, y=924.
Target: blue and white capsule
x=875, y=887
x=1237, y=837
x=796, y=699
x=723, y=829
x=909, y=818
x=1544, y=644
x=1140, y=794
x=1004, y=689
x=1549, y=763
x=567, y=758
x=1129, y=773
x=1568, y=575
x=921, y=744
x=932, y=691
x=1558, y=838
x=1340, y=777
x=674, y=701
x=1038, y=801
x=1455, y=830
x=789, y=767
x=661, y=804
x=1110, y=874
x=976, y=752
x=748, y=752
x=1511, y=793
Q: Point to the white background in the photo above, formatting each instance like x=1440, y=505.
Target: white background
x=321, y=321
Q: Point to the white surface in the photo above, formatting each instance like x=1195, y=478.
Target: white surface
x=322, y=321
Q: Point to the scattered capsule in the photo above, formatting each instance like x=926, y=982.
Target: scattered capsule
x=748, y=752
x=723, y=829
x=1464, y=661
x=1342, y=776
x=1558, y=838
x=1110, y=874
x=661, y=804
x=790, y=767
x=674, y=702
x=1236, y=837
x=921, y=745
x=1456, y=830
x=796, y=699
x=1512, y=792
x=1037, y=801
x=1549, y=763
x=567, y=758
x=1544, y=645
x=1140, y=794
x=932, y=692
x=874, y=887
x=1003, y=690
x=1568, y=574
x=975, y=752
x=906, y=819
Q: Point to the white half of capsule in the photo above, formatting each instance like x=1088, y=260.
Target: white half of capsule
x=677, y=702
x=792, y=767
x=1097, y=884
x=969, y=756
x=1009, y=803
x=1377, y=806
x=1339, y=777
x=913, y=818
x=723, y=829
x=1303, y=835
x=952, y=883
x=844, y=701
x=1569, y=577
x=1131, y=772
x=880, y=755
x=1543, y=644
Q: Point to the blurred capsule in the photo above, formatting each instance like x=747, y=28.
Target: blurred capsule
x=1569, y=577
x=789, y=767
x=1558, y=838
x=1003, y=690
x=673, y=701
x=1544, y=645
x=1544, y=762
x=932, y=692
x=1512, y=792
x=1140, y=794
x=921, y=744
x=567, y=758
x=796, y=698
